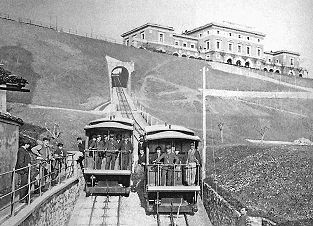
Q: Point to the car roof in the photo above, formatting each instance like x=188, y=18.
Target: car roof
x=171, y=135
x=116, y=122
x=160, y=128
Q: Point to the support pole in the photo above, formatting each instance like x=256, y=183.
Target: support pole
x=204, y=125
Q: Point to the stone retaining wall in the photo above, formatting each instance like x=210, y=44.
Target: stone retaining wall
x=221, y=213
x=54, y=207
x=219, y=210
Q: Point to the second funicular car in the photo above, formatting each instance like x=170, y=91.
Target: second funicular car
x=172, y=169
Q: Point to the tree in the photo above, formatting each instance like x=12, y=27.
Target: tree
x=220, y=127
x=262, y=128
x=55, y=132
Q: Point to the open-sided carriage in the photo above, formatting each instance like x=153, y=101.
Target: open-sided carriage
x=106, y=171
x=172, y=185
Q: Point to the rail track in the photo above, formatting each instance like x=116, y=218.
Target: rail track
x=105, y=210
x=126, y=110
x=172, y=219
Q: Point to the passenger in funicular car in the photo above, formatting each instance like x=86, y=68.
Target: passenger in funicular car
x=193, y=159
x=111, y=148
x=126, y=152
x=169, y=159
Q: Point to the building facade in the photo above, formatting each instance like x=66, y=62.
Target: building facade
x=220, y=42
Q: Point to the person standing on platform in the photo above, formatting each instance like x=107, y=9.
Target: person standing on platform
x=193, y=159
x=178, y=168
x=169, y=159
x=141, y=145
x=100, y=151
x=111, y=148
x=126, y=153
x=46, y=155
x=23, y=159
x=81, y=149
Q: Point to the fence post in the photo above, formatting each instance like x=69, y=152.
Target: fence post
x=74, y=171
x=40, y=177
x=59, y=171
x=13, y=193
x=50, y=174
x=29, y=183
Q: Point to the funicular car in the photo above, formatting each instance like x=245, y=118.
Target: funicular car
x=103, y=175
x=171, y=185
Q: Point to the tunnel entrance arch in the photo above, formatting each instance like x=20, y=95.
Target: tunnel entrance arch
x=120, y=74
x=119, y=77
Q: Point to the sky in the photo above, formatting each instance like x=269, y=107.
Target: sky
x=288, y=24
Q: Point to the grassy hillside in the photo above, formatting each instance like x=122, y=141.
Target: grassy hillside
x=71, y=72
x=65, y=70
x=274, y=182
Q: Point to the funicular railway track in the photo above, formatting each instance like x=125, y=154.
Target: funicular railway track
x=105, y=210
x=125, y=108
x=172, y=220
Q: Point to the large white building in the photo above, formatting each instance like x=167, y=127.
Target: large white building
x=222, y=42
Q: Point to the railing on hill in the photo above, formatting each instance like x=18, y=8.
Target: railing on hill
x=150, y=119
x=57, y=27
x=31, y=181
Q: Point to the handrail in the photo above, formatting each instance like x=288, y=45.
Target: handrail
x=173, y=174
x=34, y=179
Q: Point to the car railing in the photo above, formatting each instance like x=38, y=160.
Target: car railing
x=99, y=159
x=33, y=180
x=173, y=174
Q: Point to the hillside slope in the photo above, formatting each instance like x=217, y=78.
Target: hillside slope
x=69, y=71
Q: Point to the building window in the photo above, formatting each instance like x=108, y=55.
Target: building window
x=248, y=38
x=134, y=36
x=127, y=42
x=176, y=43
x=239, y=48
x=259, y=52
x=142, y=35
x=207, y=45
x=230, y=47
x=184, y=44
x=277, y=61
x=258, y=40
x=269, y=60
x=239, y=36
x=291, y=62
x=208, y=32
x=192, y=46
x=218, y=43
x=200, y=35
x=217, y=32
x=229, y=34
x=248, y=50
x=161, y=37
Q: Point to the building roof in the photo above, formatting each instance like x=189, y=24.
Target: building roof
x=145, y=26
x=9, y=81
x=282, y=51
x=185, y=36
x=227, y=25
x=9, y=117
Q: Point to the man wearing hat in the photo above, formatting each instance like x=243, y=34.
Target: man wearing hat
x=141, y=145
x=81, y=149
x=193, y=159
x=100, y=149
x=23, y=159
x=111, y=148
x=126, y=153
x=169, y=159
x=57, y=164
